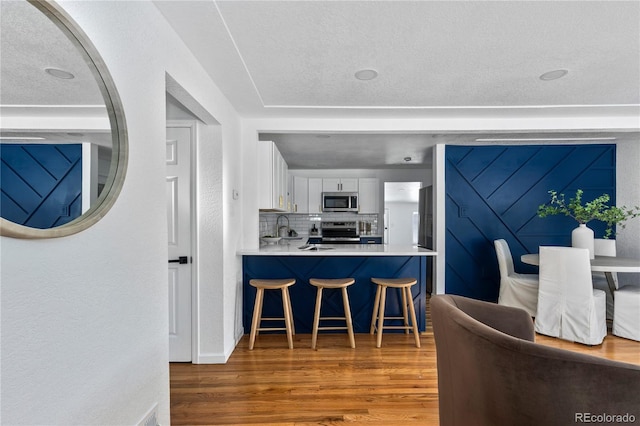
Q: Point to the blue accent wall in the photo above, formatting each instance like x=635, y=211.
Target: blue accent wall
x=493, y=192
x=41, y=185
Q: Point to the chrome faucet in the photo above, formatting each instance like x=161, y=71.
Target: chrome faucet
x=278, y=223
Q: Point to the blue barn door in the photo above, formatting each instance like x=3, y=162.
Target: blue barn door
x=41, y=185
x=493, y=192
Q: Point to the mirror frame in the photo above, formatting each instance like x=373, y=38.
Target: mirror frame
x=119, y=155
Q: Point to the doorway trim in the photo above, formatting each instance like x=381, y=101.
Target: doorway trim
x=200, y=134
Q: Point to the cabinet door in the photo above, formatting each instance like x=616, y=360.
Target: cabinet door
x=272, y=177
x=340, y=184
x=284, y=182
x=278, y=202
x=315, y=195
x=349, y=185
x=265, y=175
x=300, y=195
x=330, y=184
x=369, y=195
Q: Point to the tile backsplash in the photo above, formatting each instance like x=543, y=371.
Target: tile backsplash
x=302, y=223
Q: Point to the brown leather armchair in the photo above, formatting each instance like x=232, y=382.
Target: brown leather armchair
x=490, y=372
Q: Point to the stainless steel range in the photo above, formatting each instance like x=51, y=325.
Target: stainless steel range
x=340, y=233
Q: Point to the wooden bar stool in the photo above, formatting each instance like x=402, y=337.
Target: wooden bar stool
x=341, y=283
x=404, y=284
x=272, y=284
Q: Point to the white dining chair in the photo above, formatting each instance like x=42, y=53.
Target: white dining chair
x=605, y=247
x=626, y=315
x=516, y=290
x=568, y=306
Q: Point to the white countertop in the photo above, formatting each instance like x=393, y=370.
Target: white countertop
x=337, y=250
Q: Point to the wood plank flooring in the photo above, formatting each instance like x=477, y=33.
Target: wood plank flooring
x=272, y=385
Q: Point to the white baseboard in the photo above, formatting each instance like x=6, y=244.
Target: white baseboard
x=216, y=358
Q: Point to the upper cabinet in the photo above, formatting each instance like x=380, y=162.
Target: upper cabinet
x=315, y=195
x=306, y=193
x=340, y=185
x=300, y=194
x=368, y=195
x=272, y=178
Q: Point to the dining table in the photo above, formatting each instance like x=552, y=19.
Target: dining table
x=606, y=264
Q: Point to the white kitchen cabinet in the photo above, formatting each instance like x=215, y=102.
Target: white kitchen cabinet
x=340, y=184
x=368, y=195
x=300, y=194
x=272, y=178
x=284, y=182
x=315, y=195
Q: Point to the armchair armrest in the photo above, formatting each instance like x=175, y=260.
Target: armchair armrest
x=512, y=321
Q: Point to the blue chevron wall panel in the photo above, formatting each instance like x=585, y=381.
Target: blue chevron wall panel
x=493, y=192
x=41, y=185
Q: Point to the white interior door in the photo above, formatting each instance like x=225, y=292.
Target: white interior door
x=179, y=232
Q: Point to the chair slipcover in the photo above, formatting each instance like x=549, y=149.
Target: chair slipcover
x=516, y=290
x=626, y=315
x=605, y=247
x=568, y=305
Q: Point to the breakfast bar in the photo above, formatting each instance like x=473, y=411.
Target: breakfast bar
x=358, y=261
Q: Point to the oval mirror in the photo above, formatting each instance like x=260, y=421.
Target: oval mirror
x=63, y=140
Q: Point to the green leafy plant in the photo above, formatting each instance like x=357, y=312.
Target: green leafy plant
x=597, y=209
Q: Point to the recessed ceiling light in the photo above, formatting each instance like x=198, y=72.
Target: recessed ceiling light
x=407, y=159
x=553, y=75
x=58, y=73
x=366, y=74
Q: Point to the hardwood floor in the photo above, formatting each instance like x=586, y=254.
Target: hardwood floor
x=272, y=385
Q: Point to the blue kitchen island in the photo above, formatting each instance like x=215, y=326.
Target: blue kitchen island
x=358, y=261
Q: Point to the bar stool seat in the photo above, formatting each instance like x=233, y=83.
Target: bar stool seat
x=404, y=284
x=332, y=283
x=272, y=284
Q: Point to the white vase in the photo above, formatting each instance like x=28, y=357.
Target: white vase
x=582, y=237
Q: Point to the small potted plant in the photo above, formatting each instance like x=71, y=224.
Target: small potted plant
x=597, y=209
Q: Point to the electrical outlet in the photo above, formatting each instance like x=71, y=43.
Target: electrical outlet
x=462, y=211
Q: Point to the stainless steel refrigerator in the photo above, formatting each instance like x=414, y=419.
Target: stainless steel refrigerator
x=425, y=212
x=425, y=229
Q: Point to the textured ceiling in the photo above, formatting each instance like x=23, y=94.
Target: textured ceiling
x=428, y=54
x=29, y=43
x=435, y=59
x=391, y=150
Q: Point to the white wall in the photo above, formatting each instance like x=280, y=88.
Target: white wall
x=84, y=318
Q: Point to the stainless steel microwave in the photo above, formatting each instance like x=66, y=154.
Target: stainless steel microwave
x=340, y=202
